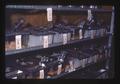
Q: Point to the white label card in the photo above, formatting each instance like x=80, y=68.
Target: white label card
x=45, y=42
x=92, y=34
x=64, y=38
x=41, y=75
x=49, y=14
x=83, y=63
x=71, y=66
x=89, y=15
x=80, y=34
x=59, y=69
x=18, y=41
x=14, y=78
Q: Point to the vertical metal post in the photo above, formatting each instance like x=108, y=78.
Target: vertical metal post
x=111, y=28
x=110, y=38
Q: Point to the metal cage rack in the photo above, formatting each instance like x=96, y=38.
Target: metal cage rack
x=54, y=61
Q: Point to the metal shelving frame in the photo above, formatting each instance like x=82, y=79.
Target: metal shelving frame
x=12, y=52
x=63, y=8
x=54, y=7
x=110, y=45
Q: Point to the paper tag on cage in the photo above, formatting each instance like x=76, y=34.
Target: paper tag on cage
x=80, y=63
x=71, y=66
x=80, y=34
x=89, y=15
x=14, y=78
x=92, y=34
x=45, y=41
x=49, y=14
x=41, y=74
x=83, y=63
x=18, y=41
x=59, y=69
x=64, y=38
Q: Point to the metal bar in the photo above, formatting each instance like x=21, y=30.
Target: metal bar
x=111, y=28
x=54, y=7
x=12, y=52
x=110, y=38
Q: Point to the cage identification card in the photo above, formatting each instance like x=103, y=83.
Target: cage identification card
x=41, y=72
x=49, y=14
x=45, y=41
x=80, y=34
x=64, y=38
x=89, y=15
x=18, y=41
x=59, y=69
